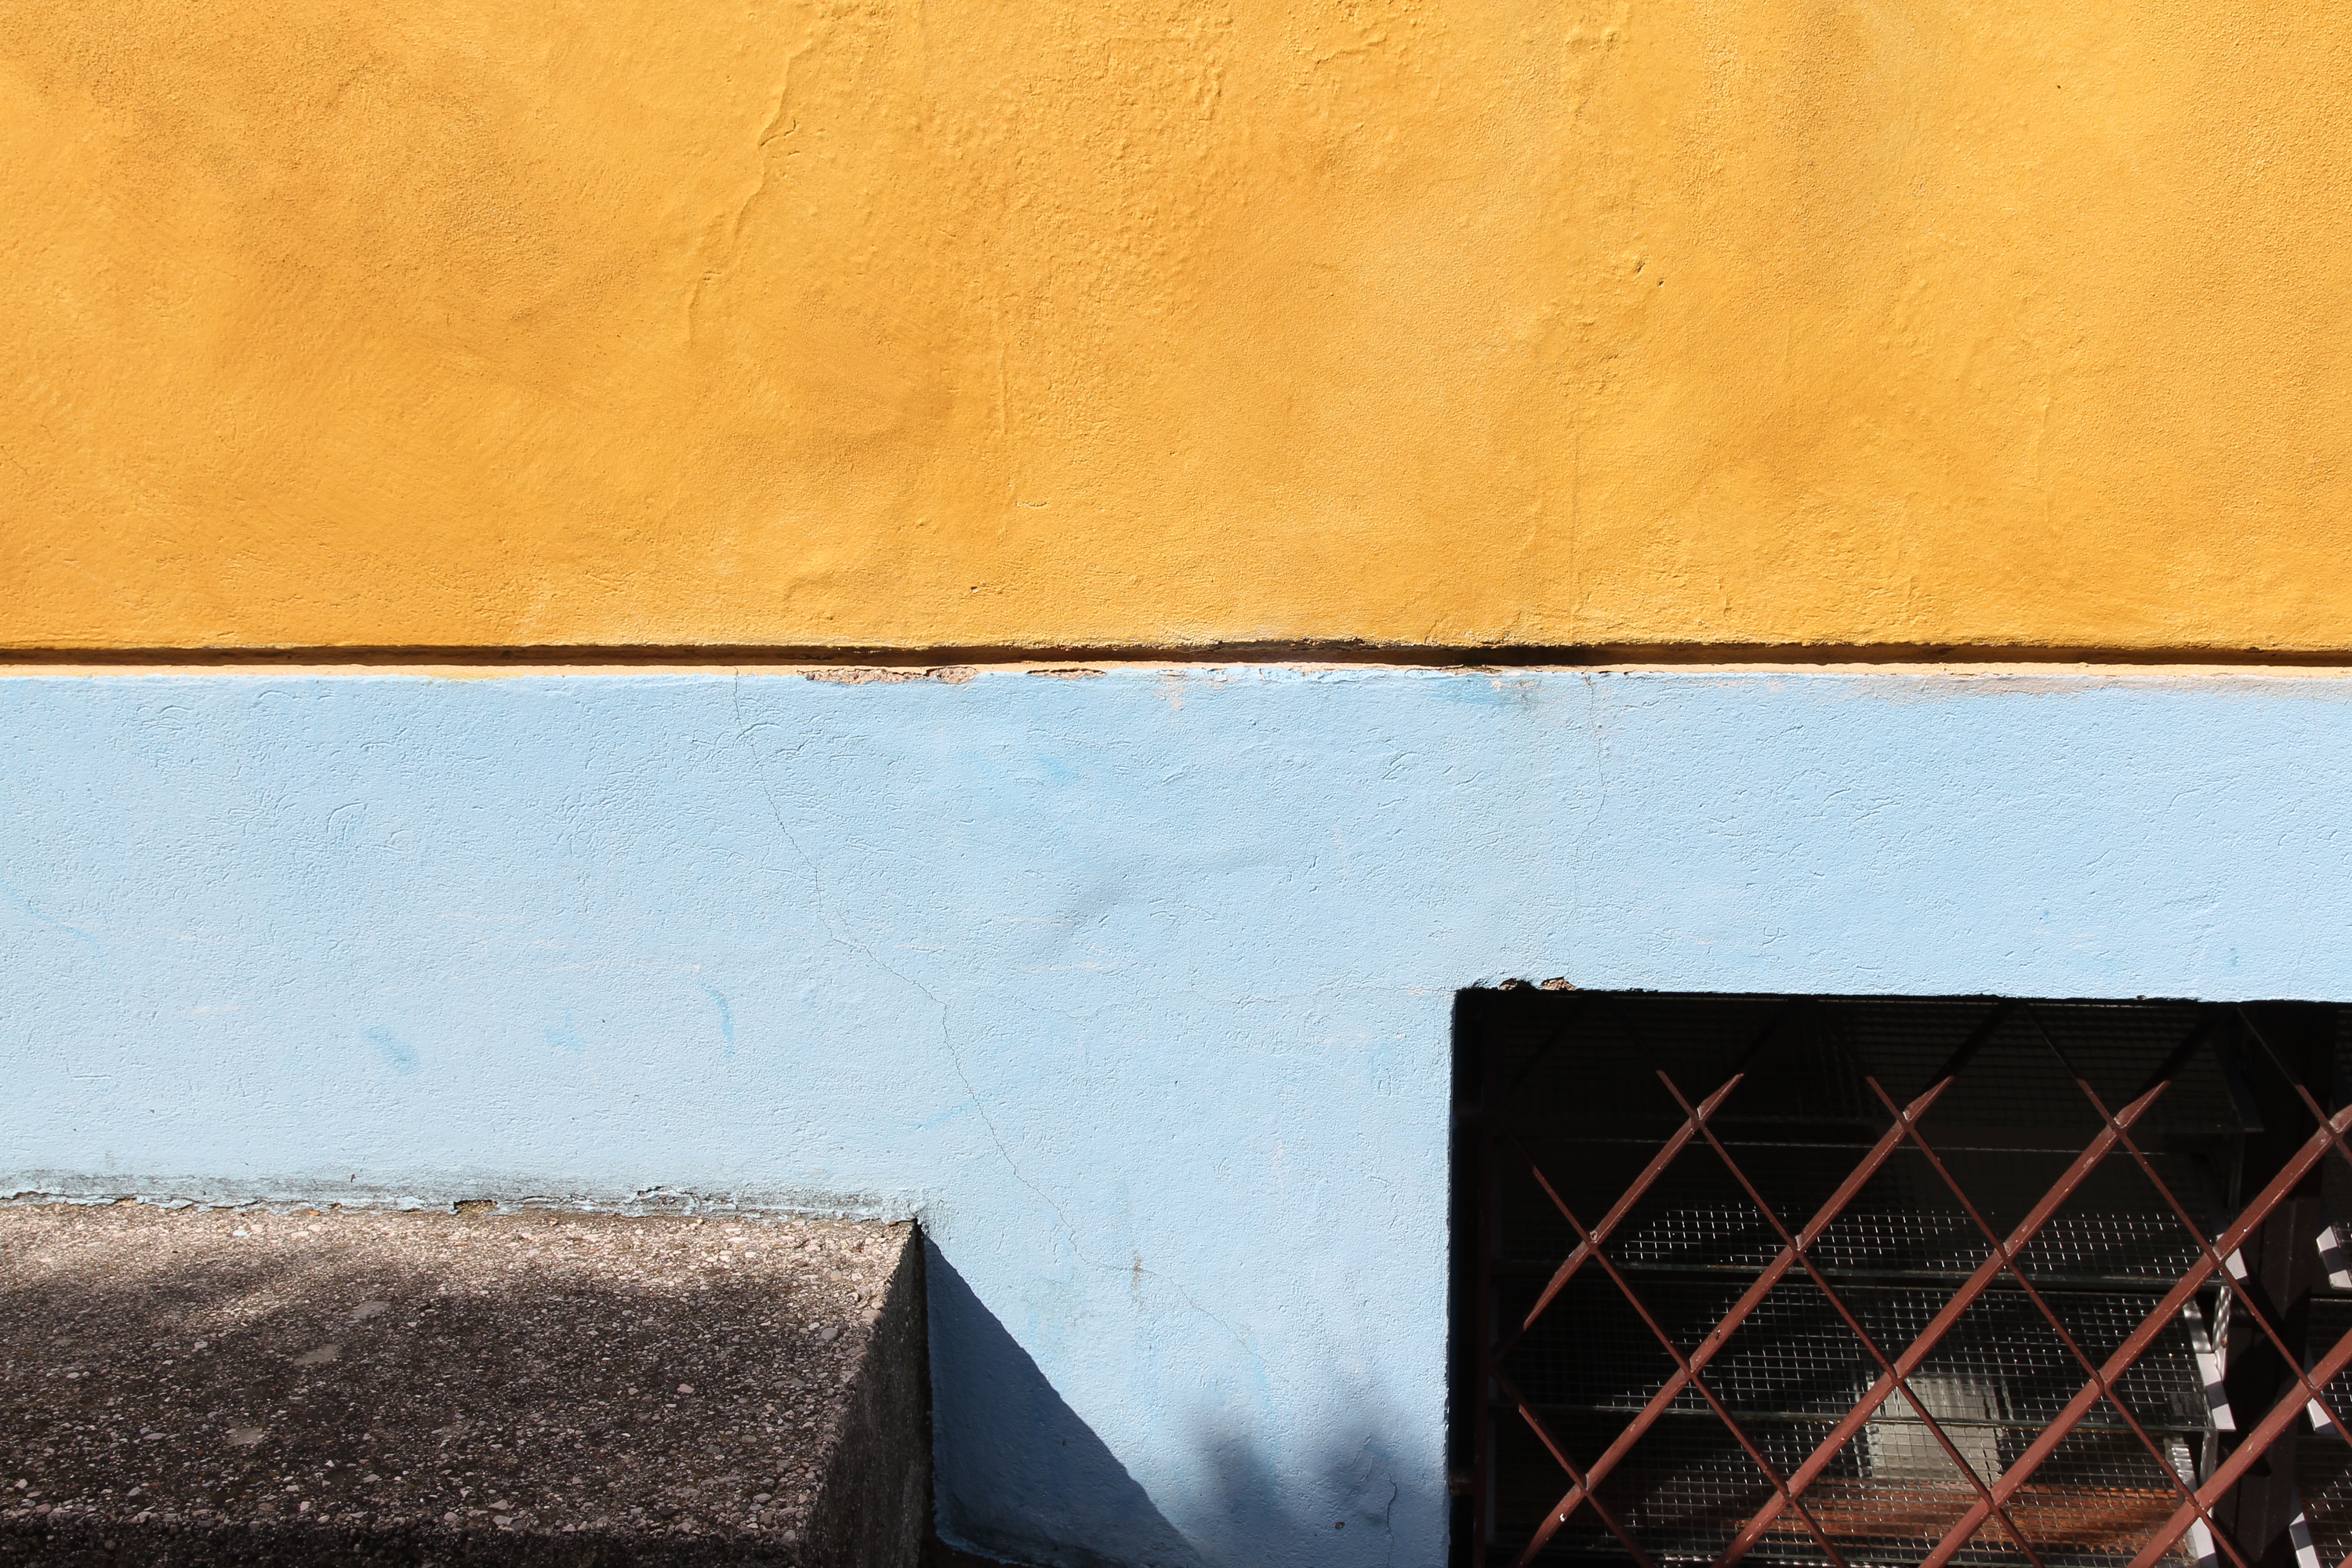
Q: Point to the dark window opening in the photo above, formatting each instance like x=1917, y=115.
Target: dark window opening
x=1895, y=1281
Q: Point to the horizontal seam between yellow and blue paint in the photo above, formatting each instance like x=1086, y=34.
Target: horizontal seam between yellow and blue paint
x=1484, y=656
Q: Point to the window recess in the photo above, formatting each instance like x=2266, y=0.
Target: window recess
x=1850, y=1280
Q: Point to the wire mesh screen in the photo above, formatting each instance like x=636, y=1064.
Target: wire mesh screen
x=1834, y=1280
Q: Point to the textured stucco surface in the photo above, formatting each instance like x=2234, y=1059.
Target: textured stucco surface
x=473, y=323
x=208, y=1388
x=1136, y=988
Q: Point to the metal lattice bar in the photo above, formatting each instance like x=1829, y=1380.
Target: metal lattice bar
x=1748, y=1302
x=1902, y=1385
x=2064, y=1244
x=2008, y=1262
x=1607, y=1515
x=1916, y=1352
x=1582, y=1253
x=1691, y=1376
x=2256, y=1444
x=2133, y=1347
x=2237, y=1286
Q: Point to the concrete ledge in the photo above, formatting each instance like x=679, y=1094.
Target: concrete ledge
x=206, y=1386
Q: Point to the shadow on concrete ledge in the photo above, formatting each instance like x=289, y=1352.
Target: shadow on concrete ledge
x=207, y=1387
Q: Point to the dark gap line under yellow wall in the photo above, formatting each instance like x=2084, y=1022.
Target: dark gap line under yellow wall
x=1792, y=655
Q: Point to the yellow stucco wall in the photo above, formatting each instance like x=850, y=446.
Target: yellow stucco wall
x=973, y=322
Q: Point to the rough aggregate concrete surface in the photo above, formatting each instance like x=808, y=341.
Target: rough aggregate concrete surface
x=206, y=1386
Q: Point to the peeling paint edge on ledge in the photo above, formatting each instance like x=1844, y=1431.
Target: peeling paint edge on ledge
x=2025, y=675
x=447, y=1197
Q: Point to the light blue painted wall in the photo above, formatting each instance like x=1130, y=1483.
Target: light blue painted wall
x=1136, y=988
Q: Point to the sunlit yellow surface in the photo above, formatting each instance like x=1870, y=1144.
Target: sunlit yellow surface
x=984, y=322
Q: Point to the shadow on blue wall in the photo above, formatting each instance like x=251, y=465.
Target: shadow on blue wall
x=1028, y=1476
x=1028, y=1480
x=1337, y=1512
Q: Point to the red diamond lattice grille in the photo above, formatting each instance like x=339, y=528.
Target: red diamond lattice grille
x=1872, y=1281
